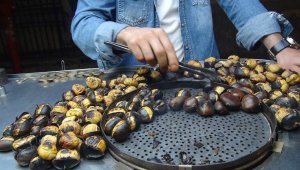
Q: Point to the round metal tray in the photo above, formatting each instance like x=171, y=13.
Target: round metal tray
x=217, y=142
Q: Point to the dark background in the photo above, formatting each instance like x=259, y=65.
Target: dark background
x=42, y=36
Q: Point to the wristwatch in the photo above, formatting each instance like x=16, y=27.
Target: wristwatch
x=282, y=44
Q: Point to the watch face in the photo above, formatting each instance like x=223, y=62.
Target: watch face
x=293, y=43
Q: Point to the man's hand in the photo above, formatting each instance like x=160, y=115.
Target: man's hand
x=289, y=58
x=150, y=45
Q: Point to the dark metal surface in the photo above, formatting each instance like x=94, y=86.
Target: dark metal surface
x=24, y=97
x=227, y=141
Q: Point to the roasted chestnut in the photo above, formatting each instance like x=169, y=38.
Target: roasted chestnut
x=259, y=68
x=263, y=86
x=122, y=104
x=237, y=93
x=177, y=103
x=142, y=93
x=6, y=143
x=78, y=99
x=270, y=76
x=69, y=141
x=133, y=119
x=210, y=62
x=143, y=70
x=39, y=164
x=93, y=117
x=205, y=108
x=274, y=94
x=57, y=119
x=213, y=96
x=71, y=105
x=261, y=95
x=288, y=102
x=8, y=130
x=93, y=147
x=241, y=72
x=43, y=109
x=24, y=142
x=190, y=105
x=70, y=126
x=110, y=124
x=130, y=89
x=78, y=89
x=35, y=130
x=68, y=95
x=233, y=58
x=23, y=156
x=90, y=130
x=230, y=101
x=58, y=110
x=155, y=76
x=146, y=114
x=121, y=131
x=142, y=85
x=280, y=84
x=288, y=118
x=21, y=127
x=131, y=82
x=229, y=79
x=93, y=82
x=295, y=95
x=49, y=130
x=251, y=63
x=108, y=100
x=116, y=111
x=245, y=82
x=140, y=79
x=274, y=108
x=147, y=101
x=95, y=96
x=86, y=103
x=156, y=94
x=41, y=120
x=47, y=149
x=183, y=92
x=274, y=68
x=219, y=89
x=222, y=71
x=160, y=107
x=256, y=78
x=66, y=159
x=220, y=108
x=250, y=104
x=74, y=112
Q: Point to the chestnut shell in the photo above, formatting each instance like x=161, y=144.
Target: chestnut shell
x=177, y=103
x=120, y=131
x=190, y=105
x=230, y=101
x=220, y=108
x=23, y=156
x=93, y=147
x=250, y=104
x=110, y=124
x=38, y=163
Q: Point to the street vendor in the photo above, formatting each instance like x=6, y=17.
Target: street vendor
x=165, y=32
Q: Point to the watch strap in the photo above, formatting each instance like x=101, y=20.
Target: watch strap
x=282, y=44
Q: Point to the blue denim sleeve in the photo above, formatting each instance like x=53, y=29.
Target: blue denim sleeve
x=253, y=21
x=91, y=26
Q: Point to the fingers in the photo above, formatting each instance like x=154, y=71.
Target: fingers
x=296, y=69
x=170, y=51
x=160, y=53
x=148, y=53
x=137, y=52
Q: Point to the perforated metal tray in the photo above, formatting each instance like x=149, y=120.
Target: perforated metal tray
x=217, y=142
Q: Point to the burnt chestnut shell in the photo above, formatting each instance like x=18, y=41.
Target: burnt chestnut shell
x=177, y=103
x=205, y=108
x=116, y=112
x=21, y=128
x=66, y=159
x=23, y=156
x=41, y=120
x=237, y=93
x=156, y=94
x=38, y=163
x=121, y=131
x=47, y=149
x=288, y=102
x=6, y=143
x=69, y=141
x=24, y=142
x=183, y=92
x=220, y=108
x=213, y=96
x=93, y=116
x=250, y=104
x=110, y=124
x=160, y=107
x=133, y=119
x=190, y=105
x=49, y=130
x=93, y=147
x=288, y=118
x=8, y=130
x=230, y=101
x=146, y=113
x=43, y=109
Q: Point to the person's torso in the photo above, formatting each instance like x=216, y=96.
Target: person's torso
x=196, y=25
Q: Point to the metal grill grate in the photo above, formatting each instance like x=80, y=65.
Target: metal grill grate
x=209, y=141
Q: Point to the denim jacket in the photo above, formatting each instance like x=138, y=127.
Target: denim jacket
x=97, y=21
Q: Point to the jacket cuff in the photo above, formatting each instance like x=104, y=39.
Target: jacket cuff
x=107, y=31
x=261, y=25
